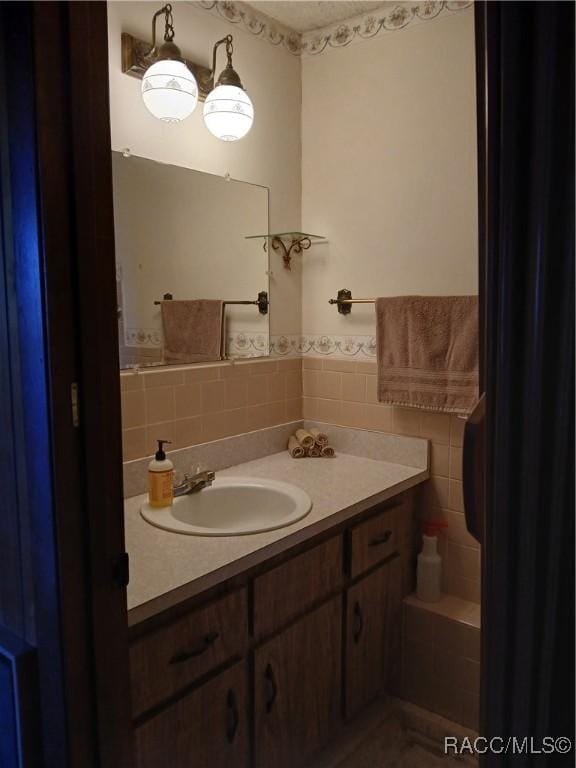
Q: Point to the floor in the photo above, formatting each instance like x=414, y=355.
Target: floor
x=396, y=734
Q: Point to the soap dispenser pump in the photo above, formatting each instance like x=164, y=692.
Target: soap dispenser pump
x=161, y=478
x=429, y=570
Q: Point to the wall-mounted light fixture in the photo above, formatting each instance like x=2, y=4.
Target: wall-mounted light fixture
x=169, y=89
x=172, y=85
x=228, y=110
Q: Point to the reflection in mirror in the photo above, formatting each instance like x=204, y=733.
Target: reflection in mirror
x=183, y=264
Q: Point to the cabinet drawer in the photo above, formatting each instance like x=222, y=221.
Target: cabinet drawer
x=292, y=587
x=376, y=538
x=208, y=727
x=172, y=657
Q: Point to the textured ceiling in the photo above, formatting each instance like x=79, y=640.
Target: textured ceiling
x=304, y=15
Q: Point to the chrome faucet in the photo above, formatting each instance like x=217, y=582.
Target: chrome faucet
x=194, y=483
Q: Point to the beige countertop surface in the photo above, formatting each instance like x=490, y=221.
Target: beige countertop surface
x=167, y=568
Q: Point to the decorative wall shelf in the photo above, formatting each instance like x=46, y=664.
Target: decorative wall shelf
x=289, y=242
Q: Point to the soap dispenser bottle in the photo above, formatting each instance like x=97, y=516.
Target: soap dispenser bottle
x=429, y=570
x=160, y=478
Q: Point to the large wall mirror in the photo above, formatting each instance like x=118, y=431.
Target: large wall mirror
x=184, y=265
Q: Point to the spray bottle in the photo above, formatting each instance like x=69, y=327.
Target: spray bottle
x=429, y=570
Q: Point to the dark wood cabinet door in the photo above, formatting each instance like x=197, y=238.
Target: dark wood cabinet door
x=206, y=729
x=298, y=683
x=373, y=616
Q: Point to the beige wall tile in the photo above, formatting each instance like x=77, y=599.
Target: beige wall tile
x=366, y=367
x=291, y=364
x=329, y=385
x=456, y=496
x=237, y=370
x=133, y=408
x=236, y=421
x=187, y=401
x=464, y=560
x=264, y=366
x=195, y=375
x=435, y=426
x=214, y=426
x=457, y=638
x=134, y=444
x=379, y=417
x=456, y=430
x=236, y=392
x=309, y=408
x=456, y=462
x=407, y=421
x=276, y=387
x=162, y=378
x=439, y=461
x=213, y=396
x=187, y=432
x=467, y=589
x=160, y=431
x=276, y=413
x=293, y=384
x=457, y=671
x=131, y=381
x=354, y=387
x=257, y=390
x=353, y=415
x=311, y=363
x=294, y=409
x=456, y=530
x=343, y=366
x=256, y=417
x=311, y=383
x=371, y=389
x=159, y=404
x=436, y=493
x=328, y=410
x=419, y=625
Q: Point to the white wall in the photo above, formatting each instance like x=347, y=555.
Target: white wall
x=271, y=153
x=389, y=170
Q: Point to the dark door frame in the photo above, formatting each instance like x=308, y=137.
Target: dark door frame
x=65, y=325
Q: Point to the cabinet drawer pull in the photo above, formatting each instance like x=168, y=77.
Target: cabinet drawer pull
x=271, y=688
x=358, y=622
x=207, y=641
x=232, y=716
x=381, y=539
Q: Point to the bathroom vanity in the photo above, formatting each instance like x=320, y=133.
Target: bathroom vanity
x=277, y=638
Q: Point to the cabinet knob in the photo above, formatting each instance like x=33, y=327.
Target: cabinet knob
x=205, y=643
x=271, y=688
x=232, y=716
x=358, y=622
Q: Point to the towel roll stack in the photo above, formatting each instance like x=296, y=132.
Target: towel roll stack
x=311, y=443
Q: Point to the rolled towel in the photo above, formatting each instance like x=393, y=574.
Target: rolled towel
x=295, y=449
x=314, y=452
x=320, y=437
x=304, y=438
x=328, y=452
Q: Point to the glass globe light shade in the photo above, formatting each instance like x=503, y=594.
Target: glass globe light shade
x=169, y=90
x=228, y=112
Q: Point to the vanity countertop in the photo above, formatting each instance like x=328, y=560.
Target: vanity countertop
x=167, y=568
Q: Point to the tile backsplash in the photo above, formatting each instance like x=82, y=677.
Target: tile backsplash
x=344, y=392
x=203, y=403
x=200, y=404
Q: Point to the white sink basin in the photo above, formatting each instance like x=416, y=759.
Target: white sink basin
x=232, y=506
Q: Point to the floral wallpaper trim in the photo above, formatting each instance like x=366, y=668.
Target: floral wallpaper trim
x=253, y=21
x=238, y=344
x=369, y=25
x=343, y=347
x=364, y=27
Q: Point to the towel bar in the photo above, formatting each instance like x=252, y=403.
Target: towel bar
x=344, y=301
x=262, y=302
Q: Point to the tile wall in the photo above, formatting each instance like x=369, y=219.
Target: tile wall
x=203, y=403
x=344, y=392
x=441, y=658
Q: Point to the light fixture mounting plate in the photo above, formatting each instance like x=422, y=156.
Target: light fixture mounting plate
x=136, y=60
